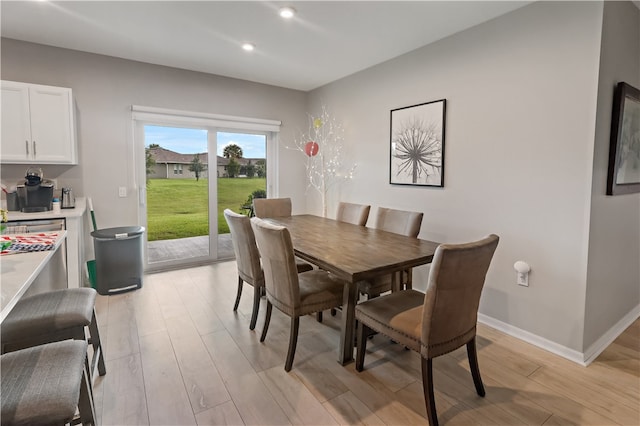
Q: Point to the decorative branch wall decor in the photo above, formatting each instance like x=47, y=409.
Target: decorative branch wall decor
x=417, y=144
x=322, y=145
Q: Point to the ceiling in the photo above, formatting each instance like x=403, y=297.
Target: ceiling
x=325, y=41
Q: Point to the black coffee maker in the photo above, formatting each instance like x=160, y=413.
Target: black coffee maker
x=35, y=194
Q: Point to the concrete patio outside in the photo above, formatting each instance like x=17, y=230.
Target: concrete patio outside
x=184, y=248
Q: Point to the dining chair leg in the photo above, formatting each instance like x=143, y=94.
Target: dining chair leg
x=475, y=369
x=293, y=341
x=256, y=306
x=238, y=294
x=333, y=312
x=319, y=316
x=267, y=319
x=427, y=386
x=362, y=334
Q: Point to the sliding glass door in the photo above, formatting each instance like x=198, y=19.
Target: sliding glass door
x=178, y=196
x=189, y=168
x=242, y=175
x=184, y=183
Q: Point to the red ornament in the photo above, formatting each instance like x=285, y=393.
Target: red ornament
x=311, y=148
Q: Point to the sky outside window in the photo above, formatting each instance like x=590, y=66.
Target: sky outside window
x=194, y=141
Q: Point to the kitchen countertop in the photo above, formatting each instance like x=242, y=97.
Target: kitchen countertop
x=20, y=270
x=77, y=211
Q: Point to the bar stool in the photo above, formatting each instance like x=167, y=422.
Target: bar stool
x=52, y=317
x=45, y=384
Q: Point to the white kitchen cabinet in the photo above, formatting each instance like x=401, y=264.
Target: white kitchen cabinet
x=37, y=124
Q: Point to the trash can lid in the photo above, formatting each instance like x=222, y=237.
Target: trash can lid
x=117, y=233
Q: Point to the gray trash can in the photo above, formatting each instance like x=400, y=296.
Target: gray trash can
x=119, y=265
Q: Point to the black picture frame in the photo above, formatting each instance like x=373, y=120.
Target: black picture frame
x=417, y=144
x=623, y=176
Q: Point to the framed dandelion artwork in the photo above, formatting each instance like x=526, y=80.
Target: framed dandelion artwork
x=417, y=144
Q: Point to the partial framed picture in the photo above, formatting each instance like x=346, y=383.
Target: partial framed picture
x=624, y=149
x=417, y=144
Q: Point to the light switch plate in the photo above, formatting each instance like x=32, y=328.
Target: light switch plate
x=122, y=191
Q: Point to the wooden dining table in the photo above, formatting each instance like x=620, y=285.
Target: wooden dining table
x=353, y=253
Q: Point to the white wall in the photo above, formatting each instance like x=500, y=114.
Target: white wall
x=613, y=280
x=521, y=96
x=104, y=89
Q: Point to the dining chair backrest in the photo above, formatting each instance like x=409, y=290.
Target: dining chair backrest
x=278, y=262
x=455, y=282
x=399, y=221
x=272, y=207
x=245, y=248
x=356, y=214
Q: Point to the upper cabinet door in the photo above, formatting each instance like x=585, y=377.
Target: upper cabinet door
x=37, y=124
x=16, y=123
x=52, y=125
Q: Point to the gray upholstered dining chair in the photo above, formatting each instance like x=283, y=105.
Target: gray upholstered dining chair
x=356, y=214
x=292, y=293
x=248, y=260
x=438, y=321
x=272, y=207
x=400, y=222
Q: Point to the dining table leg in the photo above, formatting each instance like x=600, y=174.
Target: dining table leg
x=350, y=297
x=396, y=281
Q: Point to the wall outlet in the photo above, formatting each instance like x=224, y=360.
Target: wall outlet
x=122, y=191
x=523, y=279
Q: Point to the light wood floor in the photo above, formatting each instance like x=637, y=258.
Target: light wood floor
x=178, y=355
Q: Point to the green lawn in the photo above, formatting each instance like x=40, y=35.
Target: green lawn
x=178, y=208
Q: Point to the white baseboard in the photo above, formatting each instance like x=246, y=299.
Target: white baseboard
x=607, y=338
x=578, y=357
x=534, y=339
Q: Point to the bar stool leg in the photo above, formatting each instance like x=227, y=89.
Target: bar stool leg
x=98, y=355
x=85, y=403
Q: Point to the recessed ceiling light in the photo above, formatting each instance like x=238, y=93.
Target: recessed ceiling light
x=287, y=12
x=248, y=46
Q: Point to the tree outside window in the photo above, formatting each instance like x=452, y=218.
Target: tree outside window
x=197, y=166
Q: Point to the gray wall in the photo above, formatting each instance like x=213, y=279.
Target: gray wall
x=613, y=279
x=104, y=88
x=521, y=96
